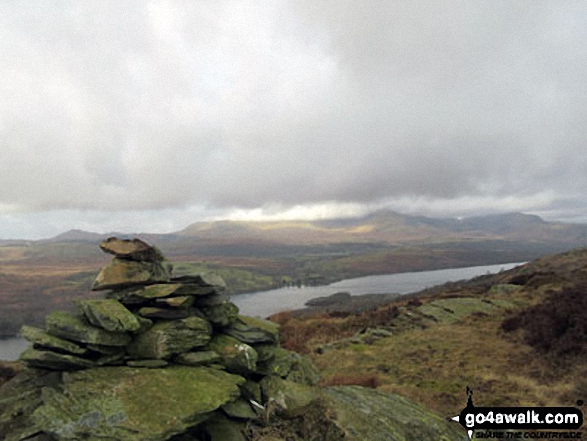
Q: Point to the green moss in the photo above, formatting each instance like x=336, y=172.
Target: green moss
x=53, y=360
x=454, y=309
x=154, y=291
x=368, y=414
x=222, y=314
x=289, y=398
x=167, y=338
x=503, y=288
x=132, y=403
x=252, y=330
x=43, y=339
x=110, y=315
x=359, y=347
x=77, y=328
x=237, y=356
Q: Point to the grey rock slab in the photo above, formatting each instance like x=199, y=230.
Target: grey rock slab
x=41, y=338
x=289, y=398
x=54, y=360
x=240, y=410
x=202, y=279
x=133, y=249
x=182, y=302
x=168, y=338
x=253, y=330
x=110, y=315
x=198, y=358
x=152, y=312
x=65, y=325
x=370, y=414
x=221, y=315
x=121, y=273
x=238, y=357
x=133, y=404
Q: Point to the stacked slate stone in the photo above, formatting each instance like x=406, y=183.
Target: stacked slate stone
x=173, y=338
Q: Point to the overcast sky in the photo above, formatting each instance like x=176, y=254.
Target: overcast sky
x=147, y=116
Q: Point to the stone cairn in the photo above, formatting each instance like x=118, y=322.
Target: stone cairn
x=160, y=357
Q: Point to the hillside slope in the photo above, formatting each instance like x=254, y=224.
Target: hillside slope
x=517, y=338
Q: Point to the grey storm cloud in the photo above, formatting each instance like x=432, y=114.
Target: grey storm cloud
x=137, y=105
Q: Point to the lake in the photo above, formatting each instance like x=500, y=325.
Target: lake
x=11, y=348
x=265, y=303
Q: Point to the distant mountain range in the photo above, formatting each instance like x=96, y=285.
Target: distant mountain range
x=382, y=227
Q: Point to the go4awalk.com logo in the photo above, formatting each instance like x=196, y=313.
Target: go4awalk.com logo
x=520, y=422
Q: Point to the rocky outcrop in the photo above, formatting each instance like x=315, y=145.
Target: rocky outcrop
x=368, y=414
x=158, y=357
x=169, y=358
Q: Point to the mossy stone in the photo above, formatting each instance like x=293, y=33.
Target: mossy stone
x=289, y=398
x=155, y=291
x=152, y=312
x=168, y=338
x=106, y=350
x=239, y=409
x=110, y=315
x=121, y=273
x=133, y=404
x=43, y=339
x=369, y=414
x=77, y=328
x=183, y=302
x=54, y=360
x=207, y=278
x=303, y=370
x=134, y=249
x=252, y=391
x=199, y=358
x=238, y=357
x=267, y=351
x=18, y=400
x=221, y=315
x=290, y=365
x=253, y=330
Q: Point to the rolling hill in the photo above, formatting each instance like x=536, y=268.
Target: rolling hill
x=37, y=276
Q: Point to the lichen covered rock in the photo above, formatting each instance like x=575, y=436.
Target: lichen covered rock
x=168, y=338
x=238, y=357
x=134, y=249
x=222, y=314
x=123, y=403
x=199, y=358
x=148, y=363
x=110, y=315
x=18, y=400
x=121, y=273
x=54, y=360
x=77, y=328
x=286, y=364
x=253, y=330
x=369, y=414
x=289, y=398
x=43, y=339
